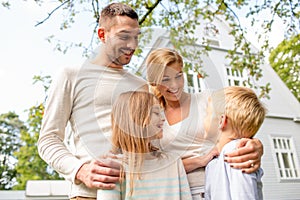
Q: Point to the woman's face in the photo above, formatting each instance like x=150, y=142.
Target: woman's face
x=172, y=83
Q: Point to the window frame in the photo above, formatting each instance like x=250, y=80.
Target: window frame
x=288, y=149
x=233, y=75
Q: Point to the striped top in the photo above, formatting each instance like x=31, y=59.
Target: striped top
x=161, y=178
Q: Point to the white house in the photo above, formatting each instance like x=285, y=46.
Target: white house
x=280, y=132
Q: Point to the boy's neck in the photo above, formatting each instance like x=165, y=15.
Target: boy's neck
x=225, y=137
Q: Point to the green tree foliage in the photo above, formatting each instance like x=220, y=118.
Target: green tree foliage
x=30, y=166
x=181, y=18
x=10, y=129
x=285, y=60
x=19, y=160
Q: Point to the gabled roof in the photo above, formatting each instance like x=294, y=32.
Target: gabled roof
x=282, y=103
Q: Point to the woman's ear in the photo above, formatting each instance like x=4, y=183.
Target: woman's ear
x=222, y=122
x=101, y=34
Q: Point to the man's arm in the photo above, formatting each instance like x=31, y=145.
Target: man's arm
x=51, y=144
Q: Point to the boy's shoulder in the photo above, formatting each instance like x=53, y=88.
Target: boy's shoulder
x=230, y=146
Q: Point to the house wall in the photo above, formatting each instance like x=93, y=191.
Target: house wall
x=273, y=187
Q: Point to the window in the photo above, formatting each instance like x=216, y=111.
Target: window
x=286, y=158
x=235, y=77
x=211, y=33
x=194, y=84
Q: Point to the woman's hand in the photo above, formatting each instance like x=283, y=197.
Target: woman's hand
x=247, y=156
x=193, y=163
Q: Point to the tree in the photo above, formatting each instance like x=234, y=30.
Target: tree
x=10, y=129
x=19, y=158
x=180, y=18
x=30, y=166
x=285, y=60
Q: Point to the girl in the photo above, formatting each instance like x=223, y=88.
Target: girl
x=147, y=173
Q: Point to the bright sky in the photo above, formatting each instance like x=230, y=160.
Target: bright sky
x=24, y=52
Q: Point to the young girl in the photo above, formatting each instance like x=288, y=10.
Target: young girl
x=147, y=173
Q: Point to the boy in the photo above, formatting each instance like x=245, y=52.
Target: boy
x=235, y=112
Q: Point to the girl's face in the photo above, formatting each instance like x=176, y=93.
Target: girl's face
x=156, y=122
x=172, y=83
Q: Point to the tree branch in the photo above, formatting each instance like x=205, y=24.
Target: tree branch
x=150, y=9
x=49, y=14
x=96, y=10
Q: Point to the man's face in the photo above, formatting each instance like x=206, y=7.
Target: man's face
x=121, y=40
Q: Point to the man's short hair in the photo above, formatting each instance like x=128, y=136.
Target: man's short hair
x=113, y=10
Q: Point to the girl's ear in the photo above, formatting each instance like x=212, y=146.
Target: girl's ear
x=222, y=122
x=101, y=34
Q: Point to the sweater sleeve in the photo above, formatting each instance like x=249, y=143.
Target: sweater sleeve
x=58, y=109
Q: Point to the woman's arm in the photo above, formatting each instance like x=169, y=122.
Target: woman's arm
x=193, y=163
x=247, y=156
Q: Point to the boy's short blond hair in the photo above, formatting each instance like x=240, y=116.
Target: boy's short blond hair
x=244, y=111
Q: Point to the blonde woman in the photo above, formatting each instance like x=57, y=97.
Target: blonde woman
x=234, y=112
x=147, y=173
x=184, y=133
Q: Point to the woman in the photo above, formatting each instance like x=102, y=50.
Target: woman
x=183, y=129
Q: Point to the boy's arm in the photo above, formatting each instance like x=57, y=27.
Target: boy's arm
x=244, y=186
x=247, y=156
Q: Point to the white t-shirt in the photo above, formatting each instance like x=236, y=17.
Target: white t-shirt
x=226, y=183
x=187, y=138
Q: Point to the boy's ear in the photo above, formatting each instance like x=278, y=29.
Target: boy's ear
x=222, y=122
x=101, y=34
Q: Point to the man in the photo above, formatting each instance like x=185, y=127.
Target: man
x=83, y=96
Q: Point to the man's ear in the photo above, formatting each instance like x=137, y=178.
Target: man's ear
x=101, y=34
x=222, y=122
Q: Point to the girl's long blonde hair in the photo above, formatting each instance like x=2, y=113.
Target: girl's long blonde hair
x=130, y=118
x=156, y=64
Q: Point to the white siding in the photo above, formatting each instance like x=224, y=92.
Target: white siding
x=273, y=188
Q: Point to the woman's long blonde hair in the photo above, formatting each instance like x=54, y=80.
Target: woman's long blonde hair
x=130, y=118
x=156, y=64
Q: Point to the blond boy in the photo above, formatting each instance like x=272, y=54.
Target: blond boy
x=235, y=112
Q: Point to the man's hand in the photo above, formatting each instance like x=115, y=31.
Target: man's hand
x=247, y=156
x=99, y=174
